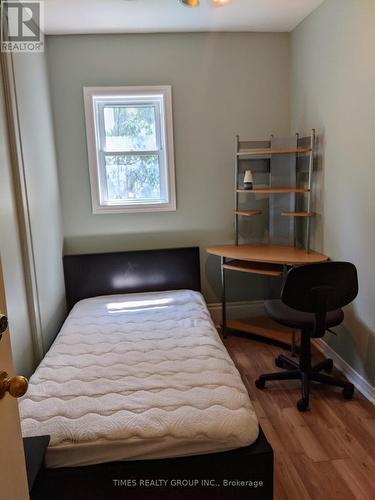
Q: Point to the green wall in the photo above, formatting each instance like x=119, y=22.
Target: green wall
x=223, y=84
x=333, y=89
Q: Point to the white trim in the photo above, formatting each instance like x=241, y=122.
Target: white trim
x=167, y=146
x=352, y=375
x=236, y=309
x=128, y=209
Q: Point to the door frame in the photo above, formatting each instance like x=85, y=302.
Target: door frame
x=22, y=201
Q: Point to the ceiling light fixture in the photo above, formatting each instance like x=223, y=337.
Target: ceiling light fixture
x=190, y=3
x=214, y=3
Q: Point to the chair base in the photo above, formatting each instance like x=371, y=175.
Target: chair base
x=293, y=371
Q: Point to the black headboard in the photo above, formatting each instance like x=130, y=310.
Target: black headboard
x=92, y=275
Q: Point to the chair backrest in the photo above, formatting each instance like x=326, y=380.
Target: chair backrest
x=320, y=288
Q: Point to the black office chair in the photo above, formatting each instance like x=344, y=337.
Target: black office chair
x=311, y=300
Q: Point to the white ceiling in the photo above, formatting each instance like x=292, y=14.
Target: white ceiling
x=143, y=16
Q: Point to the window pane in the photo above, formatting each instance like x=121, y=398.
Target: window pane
x=130, y=128
x=132, y=178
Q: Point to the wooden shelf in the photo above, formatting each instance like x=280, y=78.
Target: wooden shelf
x=273, y=190
x=262, y=152
x=255, y=267
x=264, y=327
x=296, y=214
x=248, y=213
x=271, y=254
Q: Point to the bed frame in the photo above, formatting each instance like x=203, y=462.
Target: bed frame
x=200, y=476
x=130, y=272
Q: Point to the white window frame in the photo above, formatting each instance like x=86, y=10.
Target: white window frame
x=95, y=98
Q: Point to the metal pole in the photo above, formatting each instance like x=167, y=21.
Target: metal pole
x=223, y=298
x=293, y=347
x=269, y=198
x=295, y=197
x=311, y=166
x=237, y=162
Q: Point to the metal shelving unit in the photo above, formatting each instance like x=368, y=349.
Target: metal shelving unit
x=302, y=153
x=285, y=167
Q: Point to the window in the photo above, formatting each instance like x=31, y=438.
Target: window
x=130, y=148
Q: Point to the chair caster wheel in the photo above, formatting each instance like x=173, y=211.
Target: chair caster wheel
x=348, y=391
x=329, y=366
x=303, y=404
x=279, y=363
x=260, y=383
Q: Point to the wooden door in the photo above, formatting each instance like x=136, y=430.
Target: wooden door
x=13, y=480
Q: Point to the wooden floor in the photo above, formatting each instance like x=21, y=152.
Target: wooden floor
x=325, y=453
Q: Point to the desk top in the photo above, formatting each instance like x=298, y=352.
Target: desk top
x=273, y=254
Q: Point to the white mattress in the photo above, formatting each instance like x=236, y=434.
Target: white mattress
x=138, y=376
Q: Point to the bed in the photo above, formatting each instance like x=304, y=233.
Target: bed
x=138, y=385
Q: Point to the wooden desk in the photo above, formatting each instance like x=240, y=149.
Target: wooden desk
x=267, y=260
x=271, y=254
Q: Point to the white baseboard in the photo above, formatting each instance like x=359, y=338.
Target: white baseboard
x=353, y=376
x=236, y=310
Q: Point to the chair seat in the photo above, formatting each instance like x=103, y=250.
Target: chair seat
x=287, y=316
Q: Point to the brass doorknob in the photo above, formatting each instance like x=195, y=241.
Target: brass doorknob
x=15, y=386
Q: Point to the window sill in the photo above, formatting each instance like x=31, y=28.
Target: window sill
x=129, y=209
